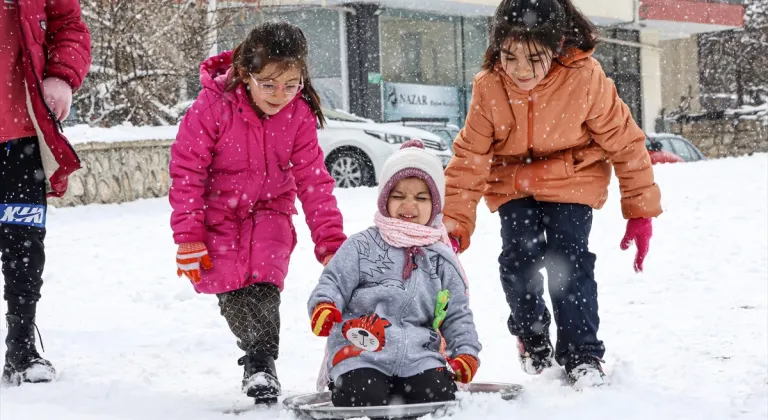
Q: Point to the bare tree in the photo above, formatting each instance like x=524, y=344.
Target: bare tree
x=734, y=64
x=146, y=56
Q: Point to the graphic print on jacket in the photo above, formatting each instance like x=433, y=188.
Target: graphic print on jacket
x=367, y=333
x=373, y=262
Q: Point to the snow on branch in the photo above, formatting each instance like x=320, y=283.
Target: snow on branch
x=146, y=58
x=734, y=64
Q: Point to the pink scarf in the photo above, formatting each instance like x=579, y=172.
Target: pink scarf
x=404, y=234
x=413, y=236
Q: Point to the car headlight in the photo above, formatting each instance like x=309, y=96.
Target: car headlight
x=389, y=138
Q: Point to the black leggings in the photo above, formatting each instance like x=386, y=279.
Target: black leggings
x=369, y=387
x=253, y=315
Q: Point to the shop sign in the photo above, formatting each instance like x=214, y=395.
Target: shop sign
x=374, y=78
x=410, y=100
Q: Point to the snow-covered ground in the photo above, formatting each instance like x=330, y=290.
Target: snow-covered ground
x=688, y=339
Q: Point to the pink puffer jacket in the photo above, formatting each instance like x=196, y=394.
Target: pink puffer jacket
x=235, y=178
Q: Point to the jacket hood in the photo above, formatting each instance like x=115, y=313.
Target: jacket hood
x=215, y=71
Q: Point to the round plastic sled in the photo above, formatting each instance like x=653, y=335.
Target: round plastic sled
x=318, y=406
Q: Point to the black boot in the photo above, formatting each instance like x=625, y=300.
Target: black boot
x=260, y=377
x=22, y=361
x=535, y=353
x=585, y=371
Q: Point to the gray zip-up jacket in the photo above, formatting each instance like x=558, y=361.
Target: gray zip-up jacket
x=387, y=321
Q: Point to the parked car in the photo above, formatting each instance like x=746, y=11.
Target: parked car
x=440, y=126
x=670, y=148
x=355, y=148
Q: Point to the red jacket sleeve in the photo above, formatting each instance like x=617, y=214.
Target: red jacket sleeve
x=68, y=41
x=315, y=190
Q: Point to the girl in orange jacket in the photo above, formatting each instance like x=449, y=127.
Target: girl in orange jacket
x=545, y=127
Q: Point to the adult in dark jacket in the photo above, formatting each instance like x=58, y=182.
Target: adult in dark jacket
x=45, y=53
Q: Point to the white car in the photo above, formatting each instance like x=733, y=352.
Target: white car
x=440, y=126
x=355, y=148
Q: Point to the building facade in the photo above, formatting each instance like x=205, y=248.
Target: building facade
x=396, y=59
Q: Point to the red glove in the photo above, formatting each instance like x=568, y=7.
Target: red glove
x=190, y=257
x=323, y=318
x=455, y=244
x=639, y=231
x=464, y=368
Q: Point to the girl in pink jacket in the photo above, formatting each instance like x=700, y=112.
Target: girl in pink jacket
x=245, y=149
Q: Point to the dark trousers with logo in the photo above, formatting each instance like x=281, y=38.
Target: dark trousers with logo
x=554, y=236
x=22, y=223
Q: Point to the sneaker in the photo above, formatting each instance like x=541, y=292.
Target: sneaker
x=585, y=372
x=260, y=378
x=22, y=361
x=535, y=353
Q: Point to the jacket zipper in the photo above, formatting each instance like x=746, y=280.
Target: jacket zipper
x=249, y=269
x=529, y=145
x=531, y=103
x=402, y=352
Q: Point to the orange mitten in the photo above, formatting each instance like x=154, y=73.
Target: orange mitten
x=464, y=368
x=190, y=257
x=323, y=318
x=327, y=259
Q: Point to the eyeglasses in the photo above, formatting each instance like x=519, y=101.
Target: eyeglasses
x=270, y=88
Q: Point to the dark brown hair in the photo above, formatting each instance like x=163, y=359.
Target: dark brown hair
x=280, y=43
x=555, y=24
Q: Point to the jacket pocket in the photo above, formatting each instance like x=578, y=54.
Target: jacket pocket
x=569, y=162
x=556, y=167
x=585, y=157
x=36, y=27
x=285, y=166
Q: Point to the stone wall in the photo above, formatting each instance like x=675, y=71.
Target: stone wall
x=118, y=172
x=724, y=137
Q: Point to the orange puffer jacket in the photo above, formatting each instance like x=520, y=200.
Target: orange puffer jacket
x=556, y=143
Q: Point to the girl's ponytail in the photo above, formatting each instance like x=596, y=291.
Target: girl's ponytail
x=313, y=99
x=582, y=33
x=237, y=77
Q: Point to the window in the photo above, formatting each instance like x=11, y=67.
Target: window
x=335, y=115
x=686, y=150
x=475, y=44
x=446, y=136
x=419, y=49
x=621, y=63
x=666, y=145
x=682, y=150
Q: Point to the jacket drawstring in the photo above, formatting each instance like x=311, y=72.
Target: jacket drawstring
x=410, y=264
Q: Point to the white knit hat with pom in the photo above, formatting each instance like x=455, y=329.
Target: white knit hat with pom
x=413, y=161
